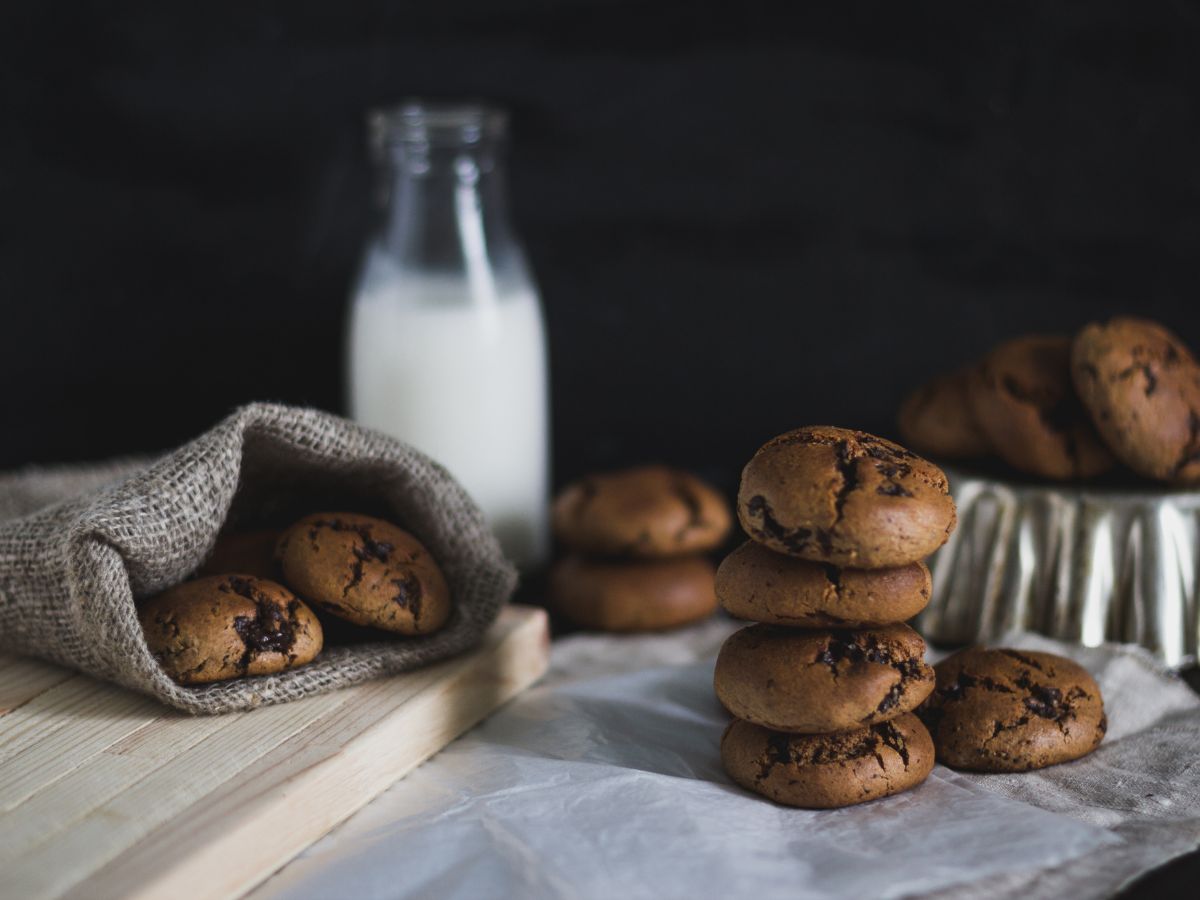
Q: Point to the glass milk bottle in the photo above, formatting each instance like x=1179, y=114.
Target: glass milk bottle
x=447, y=348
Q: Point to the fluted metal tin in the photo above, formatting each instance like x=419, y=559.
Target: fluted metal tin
x=1082, y=564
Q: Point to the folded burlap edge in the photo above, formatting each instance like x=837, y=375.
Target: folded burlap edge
x=69, y=572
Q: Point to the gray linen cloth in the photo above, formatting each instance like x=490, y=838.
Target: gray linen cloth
x=604, y=781
x=79, y=545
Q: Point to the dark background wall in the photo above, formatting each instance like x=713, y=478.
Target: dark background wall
x=741, y=220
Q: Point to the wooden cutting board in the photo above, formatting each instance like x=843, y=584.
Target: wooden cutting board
x=106, y=793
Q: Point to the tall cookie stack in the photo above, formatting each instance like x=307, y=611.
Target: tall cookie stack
x=824, y=686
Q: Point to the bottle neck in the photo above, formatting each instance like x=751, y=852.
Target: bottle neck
x=446, y=207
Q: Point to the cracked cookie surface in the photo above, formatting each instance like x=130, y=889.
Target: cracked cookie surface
x=1142, y=388
x=844, y=497
x=1026, y=404
x=636, y=595
x=1012, y=710
x=820, y=681
x=757, y=584
x=649, y=512
x=937, y=418
x=227, y=626
x=824, y=771
x=366, y=571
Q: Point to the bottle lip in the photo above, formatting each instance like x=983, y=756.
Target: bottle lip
x=435, y=122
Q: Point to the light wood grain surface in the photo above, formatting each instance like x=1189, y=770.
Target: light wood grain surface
x=106, y=793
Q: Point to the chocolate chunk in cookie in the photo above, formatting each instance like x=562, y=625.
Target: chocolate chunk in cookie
x=845, y=497
x=637, y=595
x=824, y=680
x=824, y=771
x=1142, y=388
x=1012, y=710
x=757, y=584
x=650, y=512
x=227, y=626
x=937, y=418
x=365, y=570
x=1026, y=404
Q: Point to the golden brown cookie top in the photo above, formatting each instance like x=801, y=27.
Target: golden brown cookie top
x=763, y=586
x=225, y=626
x=1025, y=402
x=1008, y=710
x=937, y=418
x=824, y=771
x=365, y=570
x=823, y=680
x=1141, y=385
x=647, y=512
x=845, y=497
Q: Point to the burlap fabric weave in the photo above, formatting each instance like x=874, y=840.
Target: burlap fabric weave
x=79, y=545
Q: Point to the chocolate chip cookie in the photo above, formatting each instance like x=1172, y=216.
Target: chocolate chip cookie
x=650, y=512
x=226, y=626
x=844, y=497
x=1142, y=388
x=1026, y=405
x=756, y=584
x=247, y=552
x=365, y=570
x=937, y=418
x=824, y=771
x=1012, y=710
x=640, y=595
x=821, y=681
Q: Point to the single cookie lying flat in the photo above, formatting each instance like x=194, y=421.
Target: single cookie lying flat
x=937, y=419
x=1142, y=388
x=823, y=771
x=844, y=497
x=1026, y=404
x=813, y=682
x=649, y=512
x=366, y=571
x=226, y=626
x=642, y=595
x=1012, y=710
x=247, y=552
x=756, y=584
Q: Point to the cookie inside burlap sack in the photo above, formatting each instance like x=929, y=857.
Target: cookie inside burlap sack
x=79, y=547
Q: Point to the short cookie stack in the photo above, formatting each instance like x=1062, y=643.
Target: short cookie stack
x=824, y=686
x=637, y=540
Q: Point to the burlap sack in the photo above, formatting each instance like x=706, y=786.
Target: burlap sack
x=79, y=545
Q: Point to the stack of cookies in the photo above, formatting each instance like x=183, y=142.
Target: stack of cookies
x=636, y=541
x=824, y=686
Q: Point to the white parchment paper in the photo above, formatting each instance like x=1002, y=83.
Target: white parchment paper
x=605, y=781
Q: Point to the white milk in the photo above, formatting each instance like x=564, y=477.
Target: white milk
x=459, y=371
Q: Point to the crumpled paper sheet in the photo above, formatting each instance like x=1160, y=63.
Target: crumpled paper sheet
x=604, y=781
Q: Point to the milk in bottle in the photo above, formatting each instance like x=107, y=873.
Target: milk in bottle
x=447, y=347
